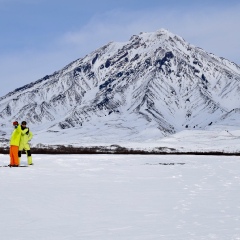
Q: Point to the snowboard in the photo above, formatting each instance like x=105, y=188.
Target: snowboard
x=14, y=167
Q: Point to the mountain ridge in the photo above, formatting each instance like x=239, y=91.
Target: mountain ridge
x=155, y=79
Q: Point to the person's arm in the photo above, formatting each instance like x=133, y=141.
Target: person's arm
x=18, y=128
x=24, y=131
x=30, y=135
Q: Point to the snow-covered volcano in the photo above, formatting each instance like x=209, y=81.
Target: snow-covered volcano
x=155, y=84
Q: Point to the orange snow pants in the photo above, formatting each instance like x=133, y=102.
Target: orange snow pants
x=14, y=155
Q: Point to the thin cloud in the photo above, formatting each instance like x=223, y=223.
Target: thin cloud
x=210, y=29
x=214, y=30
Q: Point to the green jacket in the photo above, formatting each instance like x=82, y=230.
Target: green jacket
x=26, y=136
x=16, y=135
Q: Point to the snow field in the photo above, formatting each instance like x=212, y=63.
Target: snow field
x=121, y=197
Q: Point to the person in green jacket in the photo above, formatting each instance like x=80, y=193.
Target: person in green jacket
x=26, y=136
x=14, y=144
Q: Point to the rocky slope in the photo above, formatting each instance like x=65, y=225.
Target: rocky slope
x=155, y=81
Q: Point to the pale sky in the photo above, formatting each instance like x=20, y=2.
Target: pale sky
x=39, y=37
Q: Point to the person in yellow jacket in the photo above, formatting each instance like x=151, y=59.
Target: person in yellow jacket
x=26, y=136
x=14, y=144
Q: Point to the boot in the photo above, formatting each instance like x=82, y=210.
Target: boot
x=29, y=158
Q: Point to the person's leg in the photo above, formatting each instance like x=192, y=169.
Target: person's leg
x=19, y=156
x=15, y=155
x=11, y=156
x=29, y=157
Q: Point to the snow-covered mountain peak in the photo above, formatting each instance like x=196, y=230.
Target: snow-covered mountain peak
x=153, y=81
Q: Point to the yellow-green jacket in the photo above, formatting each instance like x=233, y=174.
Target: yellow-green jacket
x=16, y=135
x=26, y=136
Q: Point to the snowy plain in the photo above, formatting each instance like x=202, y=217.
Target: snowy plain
x=121, y=197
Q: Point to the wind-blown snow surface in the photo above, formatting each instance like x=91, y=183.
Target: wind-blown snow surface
x=116, y=197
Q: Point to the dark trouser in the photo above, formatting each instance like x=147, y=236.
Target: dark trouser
x=29, y=156
x=27, y=151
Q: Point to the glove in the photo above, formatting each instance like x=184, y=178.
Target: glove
x=15, y=123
